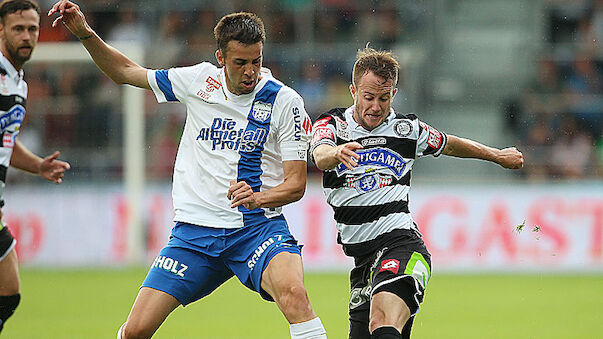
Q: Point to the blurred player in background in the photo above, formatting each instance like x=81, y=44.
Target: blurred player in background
x=366, y=152
x=245, y=131
x=19, y=25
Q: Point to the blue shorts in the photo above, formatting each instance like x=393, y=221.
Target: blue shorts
x=198, y=259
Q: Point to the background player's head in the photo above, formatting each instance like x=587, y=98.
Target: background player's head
x=240, y=38
x=19, y=30
x=373, y=87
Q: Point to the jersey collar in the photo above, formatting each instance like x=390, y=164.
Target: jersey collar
x=10, y=69
x=244, y=98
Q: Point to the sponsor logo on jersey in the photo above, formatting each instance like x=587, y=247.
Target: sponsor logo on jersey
x=170, y=265
x=342, y=128
x=373, y=141
x=224, y=134
x=257, y=254
x=261, y=111
x=403, y=128
x=212, y=84
x=434, y=137
x=322, y=133
x=14, y=116
x=322, y=122
x=378, y=156
x=8, y=139
x=297, y=123
x=391, y=265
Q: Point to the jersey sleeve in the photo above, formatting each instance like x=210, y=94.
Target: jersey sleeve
x=172, y=84
x=430, y=141
x=294, y=130
x=324, y=131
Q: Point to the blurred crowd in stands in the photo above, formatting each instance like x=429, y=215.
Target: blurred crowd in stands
x=311, y=47
x=559, y=116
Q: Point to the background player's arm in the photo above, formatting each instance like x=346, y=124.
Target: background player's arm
x=112, y=62
x=48, y=168
x=290, y=190
x=464, y=148
x=327, y=157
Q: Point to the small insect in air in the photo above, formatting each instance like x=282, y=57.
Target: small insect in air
x=520, y=227
x=536, y=228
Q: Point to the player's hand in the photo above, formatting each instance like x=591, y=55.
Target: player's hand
x=72, y=17
x=240, y=193
x=346, y=154
x=52, y=169
x=510, y=158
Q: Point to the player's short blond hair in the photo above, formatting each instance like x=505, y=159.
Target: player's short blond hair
x=382, y=63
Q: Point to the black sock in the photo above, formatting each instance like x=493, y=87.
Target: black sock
x=386, y=332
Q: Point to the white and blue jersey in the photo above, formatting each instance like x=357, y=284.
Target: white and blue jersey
x=230, y=137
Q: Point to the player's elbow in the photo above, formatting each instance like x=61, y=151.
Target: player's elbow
x=298, y=192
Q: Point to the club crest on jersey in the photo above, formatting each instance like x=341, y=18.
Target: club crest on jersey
x=261, y=111
x=403, y=128
x=368, y=182
x=378, y=156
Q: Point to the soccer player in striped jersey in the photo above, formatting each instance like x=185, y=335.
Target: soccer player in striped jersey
x=19, y=26
x=367, y=152
x=242, y=157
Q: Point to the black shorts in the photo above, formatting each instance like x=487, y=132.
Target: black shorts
x=7, y=242
x=401, y=265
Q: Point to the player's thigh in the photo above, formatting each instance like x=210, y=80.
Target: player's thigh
x=9, y=264
x=388, y=309
x=149, y=311
x=284, y=271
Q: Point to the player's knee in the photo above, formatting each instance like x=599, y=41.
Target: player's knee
x=133, y=331
x=8, y=305
x=294, y=299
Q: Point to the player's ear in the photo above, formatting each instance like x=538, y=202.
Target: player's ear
x=220, y=58
x=394, y=92
x=353, y=91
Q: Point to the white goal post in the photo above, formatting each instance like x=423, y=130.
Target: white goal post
x=133, y=133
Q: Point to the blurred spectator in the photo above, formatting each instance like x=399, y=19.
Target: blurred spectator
x=311, y=87
x=128, y=28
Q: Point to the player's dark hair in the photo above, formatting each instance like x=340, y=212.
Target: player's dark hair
x=14, y=6
x=244, y=27
x=382, y=63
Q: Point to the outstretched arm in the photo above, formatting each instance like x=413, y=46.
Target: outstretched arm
x=290, y=190
x=327, y=157
x=48, y=168
x=112, y=62
x=509, y=157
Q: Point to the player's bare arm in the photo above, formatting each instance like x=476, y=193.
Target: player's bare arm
x=327, y=157
x=112, y=62
x=49, y=168
x=509, y=157
x=290, y=190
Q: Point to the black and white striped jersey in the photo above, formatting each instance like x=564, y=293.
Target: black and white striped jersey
x=13, y=92
x=372, y=199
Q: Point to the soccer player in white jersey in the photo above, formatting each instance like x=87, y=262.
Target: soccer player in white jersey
x=241, y=157
x=19, y=26
x=366, y=152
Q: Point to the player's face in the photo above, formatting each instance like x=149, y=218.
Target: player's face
x=373, y=97
x=19, y=34
x=242, y=65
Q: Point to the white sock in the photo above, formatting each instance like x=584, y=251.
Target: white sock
x=120, y=331
x=311, y=329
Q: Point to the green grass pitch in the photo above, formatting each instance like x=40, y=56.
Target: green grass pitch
x=94, y=303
